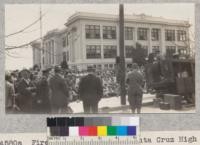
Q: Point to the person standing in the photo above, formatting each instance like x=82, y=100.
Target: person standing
x=42, y=99
x=59, y=92
x=135, y=83
x=90, y=91
x=26, y=92
x=9, y=93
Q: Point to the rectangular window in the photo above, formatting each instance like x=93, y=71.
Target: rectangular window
x=109, y=51
x=53, y=52
x=129, y=51
x=93, y=51
x=110, y=65
x=64, y=42
x=128, y=33
x=170, y=50
x=182, y=50
x=49, y=51
x=105, y=66
x=67, y=40
x=156, y=49
x=109, y=32
x=181, y=35
x=142, y=33
x=92, y=31
x=170, y=35
x=155, y=34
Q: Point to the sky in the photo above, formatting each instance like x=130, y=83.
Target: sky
x=18, y=16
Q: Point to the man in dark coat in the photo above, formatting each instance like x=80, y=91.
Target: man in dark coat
x=42, y=99
x=135, y=83
x=90, y=91
x=59, y=92
x=9, y=93
x=26, y=92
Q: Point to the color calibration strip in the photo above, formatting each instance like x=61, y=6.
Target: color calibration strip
x=92, y=126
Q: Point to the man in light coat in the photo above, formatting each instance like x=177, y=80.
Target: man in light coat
x=135, y=82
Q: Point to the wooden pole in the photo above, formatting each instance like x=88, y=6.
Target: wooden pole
x=122, y=58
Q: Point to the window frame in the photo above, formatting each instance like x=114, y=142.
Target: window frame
x=170, y=33
x=155, y=33
x=181, y=35
x=109, y=32
x=129, y=47
x=93, y=49
x=156, y=49
x=142, y=32
x=109, y=49
x=128, y=33
x=92, y=32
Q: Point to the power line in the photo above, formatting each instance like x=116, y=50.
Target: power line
x=11, y=55
x=20, y=46
x=30, y=25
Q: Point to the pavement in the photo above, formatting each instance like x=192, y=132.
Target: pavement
x=113, y=105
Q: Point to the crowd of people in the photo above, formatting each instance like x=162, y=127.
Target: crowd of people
x=51, y=90
x=31, y=90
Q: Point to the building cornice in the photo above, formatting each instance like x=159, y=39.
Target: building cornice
x=142, y=18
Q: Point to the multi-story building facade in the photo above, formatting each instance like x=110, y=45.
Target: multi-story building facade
x=94, y=38
x=53, y=50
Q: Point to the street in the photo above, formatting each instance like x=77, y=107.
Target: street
x=112, y=105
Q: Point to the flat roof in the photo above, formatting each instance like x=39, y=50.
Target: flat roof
x=141, y=18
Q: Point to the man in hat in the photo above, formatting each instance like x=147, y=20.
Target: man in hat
x=135, y=83
x=26, y=90
x=90, y=91
x=59, y=91
x=42, y=99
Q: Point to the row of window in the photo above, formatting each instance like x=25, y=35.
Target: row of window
x=110, y=51
x=181, y=50
x=109, y=32
x=104, y=66
x=108, y=66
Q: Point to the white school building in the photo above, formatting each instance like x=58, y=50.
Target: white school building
x=91, y=38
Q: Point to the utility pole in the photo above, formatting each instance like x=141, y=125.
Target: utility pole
x=122, y=58
x=42, y=47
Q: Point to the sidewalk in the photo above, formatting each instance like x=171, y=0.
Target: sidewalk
x=112, y=105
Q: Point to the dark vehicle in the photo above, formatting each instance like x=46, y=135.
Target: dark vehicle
x=172, y=76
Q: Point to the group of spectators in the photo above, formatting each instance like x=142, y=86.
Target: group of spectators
x=32, y=91
x=51, y=90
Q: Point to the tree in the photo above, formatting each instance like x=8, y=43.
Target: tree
x=139, y=55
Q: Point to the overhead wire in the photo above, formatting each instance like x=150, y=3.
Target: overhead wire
x=27, y=27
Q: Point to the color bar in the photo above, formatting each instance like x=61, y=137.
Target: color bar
x=83, y=131
x=93, y=126
x=112, y=130
x=92, y=131
x=121, y=130
x=131, y=130
x=73, y=131
x=102, y=130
